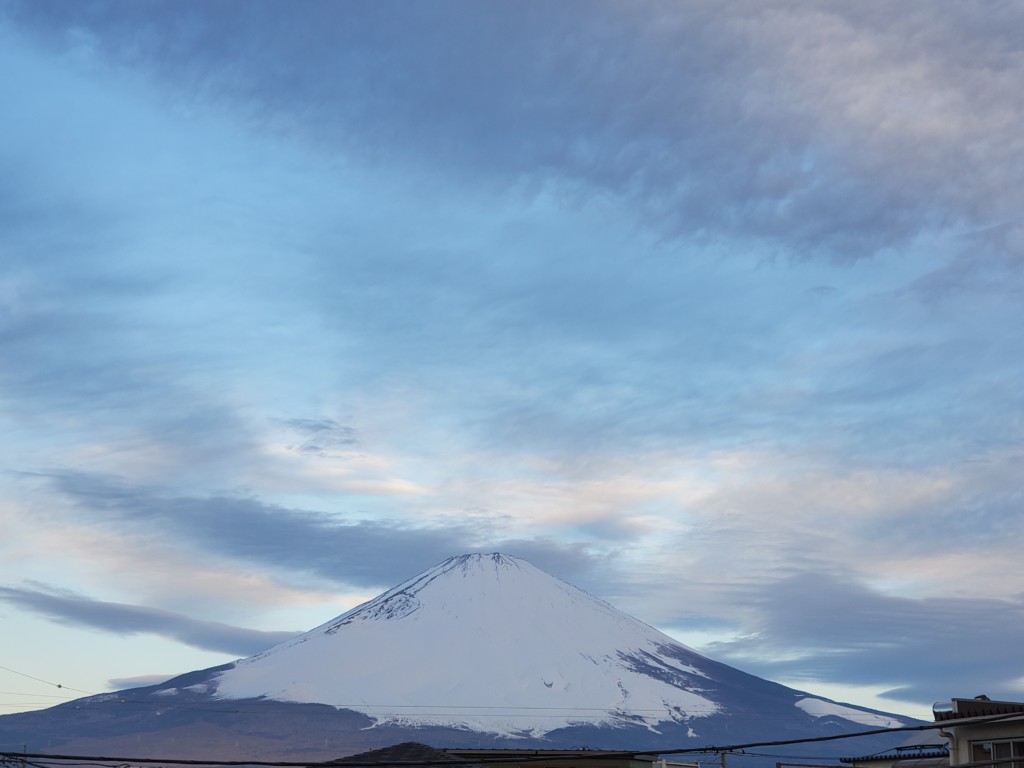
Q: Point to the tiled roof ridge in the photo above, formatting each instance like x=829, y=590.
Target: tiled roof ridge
x=907, y=752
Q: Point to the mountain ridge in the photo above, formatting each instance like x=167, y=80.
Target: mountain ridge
x=482, y=650
x=573, y=652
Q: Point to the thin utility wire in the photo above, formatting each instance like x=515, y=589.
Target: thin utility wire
x=46, y=682
x=436, y=710
x=598, y=754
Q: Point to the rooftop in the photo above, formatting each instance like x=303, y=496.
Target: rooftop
x=980, y=706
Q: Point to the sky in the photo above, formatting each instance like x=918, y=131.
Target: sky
x=711, y=309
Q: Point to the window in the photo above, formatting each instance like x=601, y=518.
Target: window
x=982, y=751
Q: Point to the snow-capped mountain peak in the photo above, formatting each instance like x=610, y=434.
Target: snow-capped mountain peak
x=478, y=651
x=486, y=642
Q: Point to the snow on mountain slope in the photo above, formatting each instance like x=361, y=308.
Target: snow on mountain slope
x=822, y=708
x=488, y=643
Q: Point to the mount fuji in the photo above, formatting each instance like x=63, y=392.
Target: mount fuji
x=478, y=651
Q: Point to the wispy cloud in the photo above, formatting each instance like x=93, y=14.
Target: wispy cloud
x=363, y=553
x=672, y=299
x=118, y=683
x=824, y=626
x=321, y=435
x=72, y=609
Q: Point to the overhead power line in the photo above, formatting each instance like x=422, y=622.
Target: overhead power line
x=241, y=706
x=409, y=710
x=590, y=754
x=836, y=737
x=45, y=682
